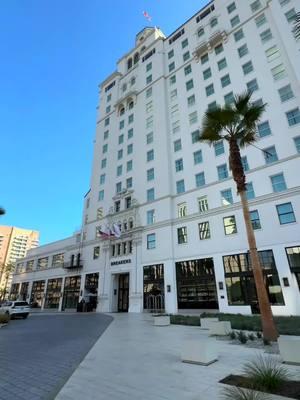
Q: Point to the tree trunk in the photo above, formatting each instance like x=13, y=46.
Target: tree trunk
x=268, y=324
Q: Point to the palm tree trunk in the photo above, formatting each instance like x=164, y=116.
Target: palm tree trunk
x=268, y=324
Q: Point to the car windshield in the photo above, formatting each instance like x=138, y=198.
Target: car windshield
x=21, y=303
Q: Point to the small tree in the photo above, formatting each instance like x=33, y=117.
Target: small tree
x=237, y=125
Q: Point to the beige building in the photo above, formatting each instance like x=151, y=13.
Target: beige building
x=14, y=244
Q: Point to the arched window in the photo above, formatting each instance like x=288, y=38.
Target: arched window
x=132, y=81
x=136, y=58
x=130, y=105
x=130, y=223
x=125, y=225
x=143, y=49
x=121, y=110
x=129, y=63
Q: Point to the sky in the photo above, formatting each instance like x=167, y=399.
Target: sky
x=53, y=55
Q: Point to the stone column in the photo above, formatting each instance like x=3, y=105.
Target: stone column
x=104, y=282
x=136, y=278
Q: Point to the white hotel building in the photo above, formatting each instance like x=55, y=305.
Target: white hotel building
x=183, y=244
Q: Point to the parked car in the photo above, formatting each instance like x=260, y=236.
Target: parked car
x=15, y=309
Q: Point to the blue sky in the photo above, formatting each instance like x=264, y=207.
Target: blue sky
x=53, y=54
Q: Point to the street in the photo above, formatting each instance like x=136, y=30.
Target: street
x=39, y=354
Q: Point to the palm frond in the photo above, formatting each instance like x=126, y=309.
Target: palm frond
x=2, y=211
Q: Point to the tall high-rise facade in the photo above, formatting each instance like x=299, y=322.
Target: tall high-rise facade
x=183, y=240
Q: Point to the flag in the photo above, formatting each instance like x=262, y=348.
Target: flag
x=105, y=232
x=116, y=230
x=147, y=16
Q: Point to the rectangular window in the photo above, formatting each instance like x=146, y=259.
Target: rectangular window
x=285, y=213
x=297, y=143
x=172, y=79
x=235, y=21
x=226, y=197
x=102, y=179
x=105, y=135
x=184, y=43
x=291, y=16
x=264, y=129
x=129, y=183
x=200, y=179
x=191, y=100
x=250, y=191
x=207, y=73
x=252, y=85
x=278, y=72
x=293, y=117
x=260, y=20
x=117, y=206
x=130, y=133
x=285, y=93
x=151, y=243
x=150, y=194
x=283, y=2
x=229, y=225
x=129, y=166
x=204, y=230
x=179, y=165
x=243, y=50
x=195, y=136
x=222, y=64
x=193, y=118
x=266, y=35
x=204, y=58
x=104, y=148
x=118, y=187
x=171, y=66
x=256, y=5
x=149, y=67
x=272, y=53
x=189, y=84
x=106, y=121
x=121, y=139
x=150, y=217
x=231, y=8
x=173, y=95
x=238, y=35
x=170, y=54
x=212, y=106
x=130, y=118
x=177, y=145
x=245, y=163
x=101, y=195
x=108, y=109
x=187, y=69
x=176, y=126
x=203, y=204
x=150, y=174
x=278, y=183
x=258, y=103
x=200, y=32
x=149, y=107
x=103, y=163
x=150, y=155
x=148, y=79
x=148, y=93
x=130, y=148
x=213, y=22
x=225, y=80
x=96, y=252
x=229, y=98
x=186, y=56
x=121, y=124
x=219, y=148
x=210, y=89
x=247, y=68
x=219, y=49
x=182, y=235
x=270, y=155
x=149, y=138
x=180, y=187
x=182, y=210
x=198, y=157
x=119, y=170
x=255, y=221
x=174, y=111
x=222, y=172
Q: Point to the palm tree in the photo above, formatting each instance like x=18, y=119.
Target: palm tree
x=236, y=124
x=296, y=29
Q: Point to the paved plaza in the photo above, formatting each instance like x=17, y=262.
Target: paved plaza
x=38, y=355
x=134, y=360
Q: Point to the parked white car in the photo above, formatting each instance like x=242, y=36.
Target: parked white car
x=15, y=309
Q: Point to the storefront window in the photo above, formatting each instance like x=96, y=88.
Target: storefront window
x=154, y=287
x=37, y=293
x=53, y=293
x=293, y=255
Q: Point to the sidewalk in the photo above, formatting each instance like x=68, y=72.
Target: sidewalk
x=134, y=360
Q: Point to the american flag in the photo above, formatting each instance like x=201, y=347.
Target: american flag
x=147, y=16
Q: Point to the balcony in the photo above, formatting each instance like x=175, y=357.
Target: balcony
x=207, y=45
x=69, y=265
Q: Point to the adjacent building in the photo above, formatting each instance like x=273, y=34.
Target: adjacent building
x=183, y=242
x=14, y=244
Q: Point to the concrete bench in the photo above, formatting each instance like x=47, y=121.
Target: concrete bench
x=163, y=320
x=220, y=328
x=289, y=349
x=198, y=351
x=205, y=323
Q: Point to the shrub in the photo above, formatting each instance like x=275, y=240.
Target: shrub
x=251, y=336
x=242, y=337
x=236, y=393
x=4, y=318
x=266, y=342
x=266, y=373
x=232, y=335
x=258, y=335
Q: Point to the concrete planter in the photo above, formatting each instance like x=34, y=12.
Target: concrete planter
x=207, y=322
x=202, y=352
x=289, y=349
x=220, y=328
x=162, y=320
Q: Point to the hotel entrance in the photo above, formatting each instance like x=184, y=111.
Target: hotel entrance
x=123, y=293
